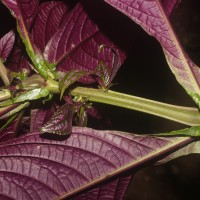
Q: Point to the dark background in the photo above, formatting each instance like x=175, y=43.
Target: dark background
x=178, y=179
x=146, y=74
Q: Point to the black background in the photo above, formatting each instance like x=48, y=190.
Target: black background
x=146, y=74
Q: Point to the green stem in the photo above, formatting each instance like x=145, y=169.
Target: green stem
x=52, y=86
x=185, y=115
x=4, y=94
x=3, y=74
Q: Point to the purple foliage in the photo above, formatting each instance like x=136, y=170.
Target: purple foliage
x=61, y=122
x=89, y=164
x=39, y=117
x=47, y=169
x=24, y=12
x=6, y=45
x=169, y=5
x=76, y=44
x=8, y=133
x=18, y=61
x=51, y=15
x=152, y=16
x=109, y=191
x=66, y=36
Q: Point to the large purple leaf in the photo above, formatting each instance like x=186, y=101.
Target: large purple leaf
x=24, y=11
x=112, y=190
x=51, y=16
x=9, y=132
x=76, y=44
x=6, y=45
x=39, y=117
x=39, y=168
x=153, y=17
x=169, y=5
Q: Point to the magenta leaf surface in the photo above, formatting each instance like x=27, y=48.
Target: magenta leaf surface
x=6, y=45
x=18, y=61
x=39, y=168
x=61, y=121
x=113, y=190
x=24, y=12
x=169, y=5
x=51, y=16
x=9, y=132
x=39, y=117
x=76, y=43
x=153, y=17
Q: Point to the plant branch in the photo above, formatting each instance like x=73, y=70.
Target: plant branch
x=185, y=115
x=3, y=74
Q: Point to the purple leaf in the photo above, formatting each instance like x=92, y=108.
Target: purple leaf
x=39, y=117
x=61, y=122
x=47, y=169
x=169, y=5
x=9, y=132
x=6, y=45
x=18, y=61
x=75, y=45
x=50, y=17
x=106, y=74
x=113, y=190
x=24, y=11
x=153, y=17
x=13, y=126
x=70, y=77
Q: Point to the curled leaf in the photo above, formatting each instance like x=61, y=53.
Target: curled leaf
x=104, y=73
x=82, y=117
x=75, y=44
x=107, y=73
x=6, y=45
x=61, y=121
x=69, y=78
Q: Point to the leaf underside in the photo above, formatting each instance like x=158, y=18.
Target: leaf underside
x=75, y=45
x=6, y=45
x=47, y=169
x=152, y=16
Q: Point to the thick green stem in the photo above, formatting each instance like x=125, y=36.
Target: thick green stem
x=185, y=115
x=52, y=86
x=4, y=94
x=3, y=74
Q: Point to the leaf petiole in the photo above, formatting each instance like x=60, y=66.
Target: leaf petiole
x=3, y=74
x=185, y=115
